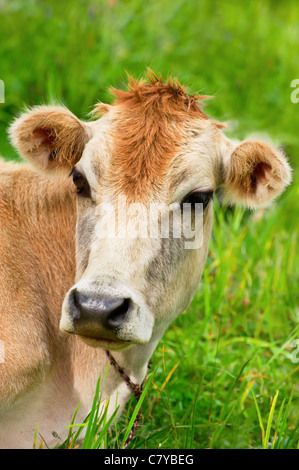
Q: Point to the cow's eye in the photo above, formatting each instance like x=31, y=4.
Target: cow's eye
x=198, y=197
x=81, y=183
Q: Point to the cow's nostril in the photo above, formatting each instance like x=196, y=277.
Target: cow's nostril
x=117, y=316
x=109, y=312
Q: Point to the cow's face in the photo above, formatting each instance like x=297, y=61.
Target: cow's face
x=145, y=174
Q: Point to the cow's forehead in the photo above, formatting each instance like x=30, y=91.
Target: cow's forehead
x=142, y=136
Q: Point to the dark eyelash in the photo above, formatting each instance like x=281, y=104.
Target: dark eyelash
x=81, y=183
x=198, y=197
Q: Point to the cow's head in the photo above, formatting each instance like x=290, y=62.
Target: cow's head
x=154, y=145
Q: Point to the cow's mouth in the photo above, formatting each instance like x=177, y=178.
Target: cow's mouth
x=105, y=343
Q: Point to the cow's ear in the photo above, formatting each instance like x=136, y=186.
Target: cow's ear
x=50, y=137
x=255, y=173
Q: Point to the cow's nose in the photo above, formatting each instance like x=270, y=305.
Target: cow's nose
x=109, y=312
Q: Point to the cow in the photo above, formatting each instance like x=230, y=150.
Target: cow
x=68, y=293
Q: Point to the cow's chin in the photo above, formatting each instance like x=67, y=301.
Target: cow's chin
x=113, y=345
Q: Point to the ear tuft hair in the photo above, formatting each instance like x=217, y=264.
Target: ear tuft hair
x=50, y=137
x=255, y=174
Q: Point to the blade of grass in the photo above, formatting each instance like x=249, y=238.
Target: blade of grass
x=92, y=419
x=224, y=416
x=67, y=444
x=168, y=377
x=283, y=426
x=140, y=401
x=104, y=431
x=278, y=420
x=269, y=423
x=259, y=415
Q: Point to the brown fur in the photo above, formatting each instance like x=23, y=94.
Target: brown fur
x=37, y=266
x=149, y=128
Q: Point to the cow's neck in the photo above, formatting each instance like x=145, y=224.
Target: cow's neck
x=135, y=360
x=90, y=363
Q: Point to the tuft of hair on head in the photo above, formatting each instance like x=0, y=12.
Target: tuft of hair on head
x=172, y=96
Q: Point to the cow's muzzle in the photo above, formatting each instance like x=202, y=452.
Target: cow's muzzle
x=108, y=312
x=98, y=318
x=113, y=319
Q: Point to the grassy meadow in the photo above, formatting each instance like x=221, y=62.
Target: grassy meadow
x=223, y=374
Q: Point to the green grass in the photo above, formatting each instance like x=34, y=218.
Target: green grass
x=223, y=375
